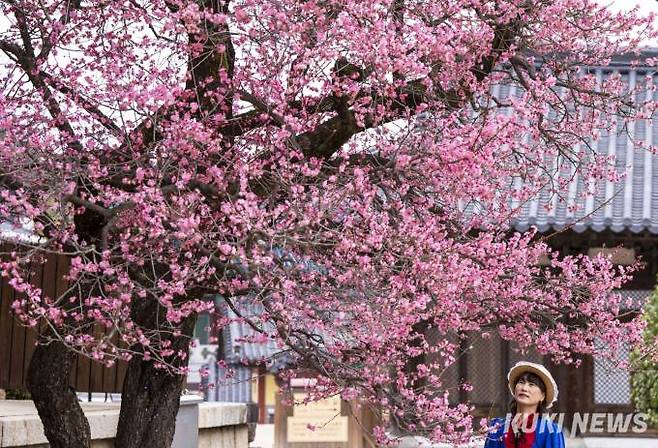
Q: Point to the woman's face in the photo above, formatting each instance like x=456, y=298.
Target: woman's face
x=528, y=393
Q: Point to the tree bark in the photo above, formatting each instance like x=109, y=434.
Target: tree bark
x=64, y=423
x=151, y=398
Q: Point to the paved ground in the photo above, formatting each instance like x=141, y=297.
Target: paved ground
x=613, y=442
x=265, y=439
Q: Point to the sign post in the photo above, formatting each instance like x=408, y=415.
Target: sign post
x=328, y=423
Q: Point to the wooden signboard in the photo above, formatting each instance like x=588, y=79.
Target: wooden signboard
x=319, y=421
x=328, y=423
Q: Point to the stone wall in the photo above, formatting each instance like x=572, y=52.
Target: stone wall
x=218, y=424
x=223, y=425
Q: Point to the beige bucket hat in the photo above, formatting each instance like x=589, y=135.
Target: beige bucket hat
x=522, y=367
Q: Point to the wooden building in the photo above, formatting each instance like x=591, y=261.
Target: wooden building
x=591, y=216
x=251, y=367
x=17, y=342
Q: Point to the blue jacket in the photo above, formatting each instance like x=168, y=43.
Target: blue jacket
x=547, y=434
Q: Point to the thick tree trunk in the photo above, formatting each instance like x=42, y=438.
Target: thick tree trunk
x=148, y=412
x=150, y=400
x=64, y=423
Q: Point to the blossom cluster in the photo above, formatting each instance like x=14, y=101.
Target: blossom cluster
x=350, y=168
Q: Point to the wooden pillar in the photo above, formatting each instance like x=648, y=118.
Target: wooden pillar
x=463, y=368
x=588, y=384
x=574, y=393
x=262, y=409
x=504, y=367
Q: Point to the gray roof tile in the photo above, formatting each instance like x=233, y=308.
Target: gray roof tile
x=238, y=347
x=629, y=204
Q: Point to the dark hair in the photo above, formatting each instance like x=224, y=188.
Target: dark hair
x=532, y=378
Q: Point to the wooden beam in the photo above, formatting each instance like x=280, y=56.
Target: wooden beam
x=618, y=255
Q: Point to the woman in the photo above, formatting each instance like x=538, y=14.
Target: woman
x=534, y=391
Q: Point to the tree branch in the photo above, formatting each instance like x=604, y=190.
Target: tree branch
x=92, y=109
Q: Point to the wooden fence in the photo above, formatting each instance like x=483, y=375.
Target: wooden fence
x=17, y=342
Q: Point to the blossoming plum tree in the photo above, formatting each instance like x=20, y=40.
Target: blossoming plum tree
x=348, y=166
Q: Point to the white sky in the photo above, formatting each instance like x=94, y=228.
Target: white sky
x=646, y=6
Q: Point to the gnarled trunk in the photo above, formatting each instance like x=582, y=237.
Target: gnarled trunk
x=149, y=407
x=151, y=398
x=64, y=423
